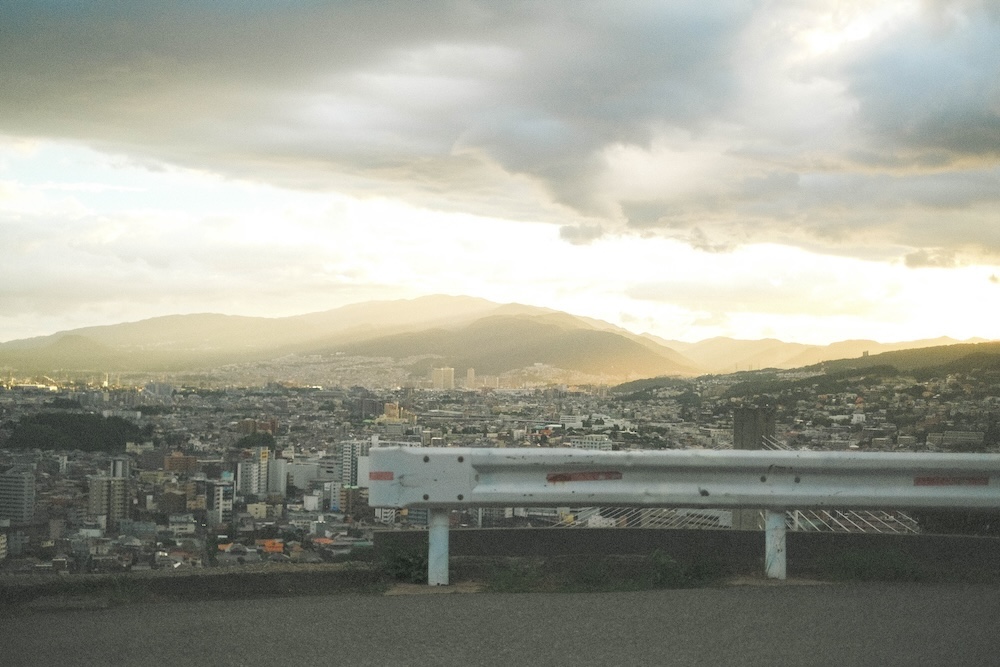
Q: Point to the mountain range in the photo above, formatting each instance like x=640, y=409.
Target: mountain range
x=460, y=332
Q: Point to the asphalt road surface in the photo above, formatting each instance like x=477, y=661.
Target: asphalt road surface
x=773, y=625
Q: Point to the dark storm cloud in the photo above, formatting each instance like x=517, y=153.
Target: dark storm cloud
x=355, y=90
x=929, y=211
x=512, y=110
x=931, y=94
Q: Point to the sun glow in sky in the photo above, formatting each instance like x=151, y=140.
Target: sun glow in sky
x=811, y=172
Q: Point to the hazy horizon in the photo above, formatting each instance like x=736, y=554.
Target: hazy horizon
x=389, y=301
x=810, y=172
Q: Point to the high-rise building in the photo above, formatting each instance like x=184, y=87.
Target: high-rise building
x=219, y=502
x=470, y=378
x=108, y=497
x=368, y=408
x=277, y=477
x=443, y=378
x=248, y=477
x=262, y=455
x=349, y=452
x=17, y=495
x=121, y=466
x=353, y=502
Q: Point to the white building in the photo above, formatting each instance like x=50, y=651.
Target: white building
x=263, y=456
x=349, y=452
x=219, y=502
x=593, y=441
x=303, y=472
x=248, y=477
x=182, y=524
x=277, y=477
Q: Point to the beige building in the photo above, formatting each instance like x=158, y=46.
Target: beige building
x=108, y=497
x=443, y=378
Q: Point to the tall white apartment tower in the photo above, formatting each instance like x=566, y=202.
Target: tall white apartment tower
x=219, y=502
x=277, y=477
x=262, y=455
x=248, y=477
x=350, y=450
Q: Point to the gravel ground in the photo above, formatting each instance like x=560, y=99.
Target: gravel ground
x=773, y=625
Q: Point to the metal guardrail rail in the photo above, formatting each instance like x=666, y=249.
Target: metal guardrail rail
x=774, y=481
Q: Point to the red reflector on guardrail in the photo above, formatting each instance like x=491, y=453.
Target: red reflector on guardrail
x=582, y=476
x=381, y=476
x=951, y=481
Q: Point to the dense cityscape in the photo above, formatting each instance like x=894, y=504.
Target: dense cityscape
x=105, y=477
x=478, y=333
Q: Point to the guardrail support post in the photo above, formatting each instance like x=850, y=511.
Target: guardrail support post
x=774, y=543
x=437, y=548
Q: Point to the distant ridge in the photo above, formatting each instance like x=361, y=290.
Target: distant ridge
x=500, y=343
x=962, y=357
x=728, y=355
x=462, y=332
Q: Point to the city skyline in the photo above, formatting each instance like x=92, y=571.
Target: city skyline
x=811, y=173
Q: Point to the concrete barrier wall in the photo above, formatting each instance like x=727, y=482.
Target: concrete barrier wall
x=807, y=552
x=734, y=550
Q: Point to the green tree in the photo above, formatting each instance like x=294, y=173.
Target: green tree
x=87, y=432
x=38, y=436
x=256, y=440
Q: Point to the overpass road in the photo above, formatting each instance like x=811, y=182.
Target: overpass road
x=773, y=625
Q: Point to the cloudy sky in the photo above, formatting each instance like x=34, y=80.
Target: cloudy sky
x=802, y=169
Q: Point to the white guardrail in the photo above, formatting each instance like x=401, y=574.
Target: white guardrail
x=775, y=481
